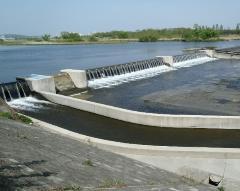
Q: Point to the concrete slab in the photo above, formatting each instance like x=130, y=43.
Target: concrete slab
x=78, y=77
x=38, y=83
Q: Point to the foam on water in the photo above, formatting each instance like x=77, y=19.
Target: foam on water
x=193, y=62
x=28, y=103
x=150, y=72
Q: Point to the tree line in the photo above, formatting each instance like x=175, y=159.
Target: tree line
x=196, y=33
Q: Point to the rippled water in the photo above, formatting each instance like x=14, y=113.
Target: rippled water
x=45, y=59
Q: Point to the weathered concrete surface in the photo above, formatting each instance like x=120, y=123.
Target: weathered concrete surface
x=63, y=82
x=3, y=106
x=215, y=97
x=209, y=52
x=32, y=158
x=158, y=120
x=43, y=83
x=225, y=56
x=197, y=163
x=214, y=54
x=167, y=59
x=78, y=77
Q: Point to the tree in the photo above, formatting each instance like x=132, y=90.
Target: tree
x=238, y=28
x=93, y=39
x=195, y=26
x=46, y=37
x=221, y=28
x=71, y=36
x=148, y=39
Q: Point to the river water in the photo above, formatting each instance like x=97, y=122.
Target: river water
x=200, y=84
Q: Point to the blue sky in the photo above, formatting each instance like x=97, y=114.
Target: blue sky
x=35, y=17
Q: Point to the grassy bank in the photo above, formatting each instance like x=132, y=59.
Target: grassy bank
x=16, y=117
x=110, y=41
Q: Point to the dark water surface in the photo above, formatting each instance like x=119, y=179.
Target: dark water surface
x=115, y=130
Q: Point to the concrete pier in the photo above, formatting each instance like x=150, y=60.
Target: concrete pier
x=41, y=83
x=78, y=77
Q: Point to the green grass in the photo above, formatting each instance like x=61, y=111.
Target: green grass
x=221, y=188
x=87, y=162
x=112, y=183
x=16, y=117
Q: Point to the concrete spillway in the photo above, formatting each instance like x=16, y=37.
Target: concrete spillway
x=14, y=90
x=116, y=74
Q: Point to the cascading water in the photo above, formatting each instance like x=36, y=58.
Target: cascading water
x=114, y=75
x=13, y=90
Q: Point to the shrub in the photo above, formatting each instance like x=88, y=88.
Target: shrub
x=88, y=162
x=149, y=38
x=93, y=39
x=71, y=36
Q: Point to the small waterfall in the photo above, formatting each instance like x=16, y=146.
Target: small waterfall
x=10, y=96
x=24, y=93
x=108, y=76
x=18, y=92
x=14, y=90
x=3, y=94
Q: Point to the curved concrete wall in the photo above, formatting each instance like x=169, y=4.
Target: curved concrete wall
x=196, y=163
x=150, y=119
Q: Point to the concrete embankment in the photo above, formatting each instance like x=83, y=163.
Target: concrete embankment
x=33, y=158
x=158, y=120
x=195, y=163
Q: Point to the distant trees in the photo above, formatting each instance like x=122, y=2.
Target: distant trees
x=197, y=33
x=148, y=38
x=93, y=39
x=46, y=37
x=238, y=28
x=71, y=36
x=113, y=34
x=202, y=33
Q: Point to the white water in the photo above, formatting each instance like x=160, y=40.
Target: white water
x=28, y=103
x=123, y=78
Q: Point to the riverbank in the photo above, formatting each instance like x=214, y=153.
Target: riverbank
x=36, y=159
x=105, y=41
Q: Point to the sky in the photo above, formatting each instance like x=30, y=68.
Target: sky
x=37, y=17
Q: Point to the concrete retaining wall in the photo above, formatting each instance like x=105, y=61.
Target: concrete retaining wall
x=150, y=119
x=194, y=163
x=41, y=83
x=78, y=77
x=225, y=56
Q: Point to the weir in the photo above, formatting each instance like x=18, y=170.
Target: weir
x=185, y=57
x=108, y=76
x=100, y=77
x=14, y=90
x=120, y=69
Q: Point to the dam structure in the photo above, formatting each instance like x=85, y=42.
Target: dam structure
x=14, y=90
x=194, y=146
x=108, y=76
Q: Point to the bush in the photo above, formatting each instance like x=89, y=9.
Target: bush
x=87, y=162
x=200, y=34
x=46, y=37
x=71, y=36
x=93, y=39
x=148, y=39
